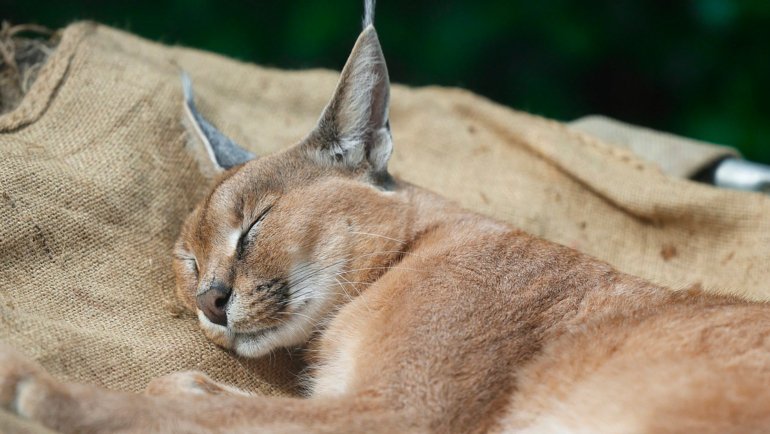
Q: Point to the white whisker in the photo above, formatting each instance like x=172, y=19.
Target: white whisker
x=378, y=236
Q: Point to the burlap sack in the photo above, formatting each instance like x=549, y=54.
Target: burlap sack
x=674, y=155
x=94, y=184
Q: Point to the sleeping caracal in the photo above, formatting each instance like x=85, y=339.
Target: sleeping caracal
x=419, y=316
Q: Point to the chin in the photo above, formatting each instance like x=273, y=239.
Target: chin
x=261, y=343
x=292, y=333
x=295, y=331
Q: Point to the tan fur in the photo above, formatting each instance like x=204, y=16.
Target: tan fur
x=420, y=316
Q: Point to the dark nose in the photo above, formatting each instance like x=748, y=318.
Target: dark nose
x=213, y=303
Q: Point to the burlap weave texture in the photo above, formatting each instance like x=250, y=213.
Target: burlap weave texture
x=95, y=182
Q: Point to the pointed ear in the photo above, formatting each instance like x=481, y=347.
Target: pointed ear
x=214, y=151
x=354, y=129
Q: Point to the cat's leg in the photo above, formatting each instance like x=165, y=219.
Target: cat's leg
x=27, y=390
x=192, y=382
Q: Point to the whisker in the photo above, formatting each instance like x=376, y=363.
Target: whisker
x=297, y=313
x=383, y=268
x=313, y=272
x=358, y=291
x=378, y=236
x=343, y=289
x=382, y=252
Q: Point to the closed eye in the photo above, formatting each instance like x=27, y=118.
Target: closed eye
x=249, y=234
x=190, y=262
x=193, y=264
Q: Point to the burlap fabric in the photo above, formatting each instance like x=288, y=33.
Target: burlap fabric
x=676, y=156
x=95, y=182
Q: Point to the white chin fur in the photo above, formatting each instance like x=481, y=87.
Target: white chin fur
x=260, y=344
x=312, y=304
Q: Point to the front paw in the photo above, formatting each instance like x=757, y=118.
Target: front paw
x=24, y=385
x=30, y=392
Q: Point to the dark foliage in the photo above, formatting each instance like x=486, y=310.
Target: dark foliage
x=699, y=68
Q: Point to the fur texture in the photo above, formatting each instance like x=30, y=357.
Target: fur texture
x=418, y=316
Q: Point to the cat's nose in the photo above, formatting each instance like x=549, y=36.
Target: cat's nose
x=213, y=303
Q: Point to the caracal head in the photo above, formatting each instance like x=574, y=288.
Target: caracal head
x=263, y=258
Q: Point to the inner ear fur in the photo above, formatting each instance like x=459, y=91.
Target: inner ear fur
x=353, y=130
x=214, y=151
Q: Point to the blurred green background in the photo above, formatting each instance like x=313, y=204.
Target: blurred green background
x=699, y=68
